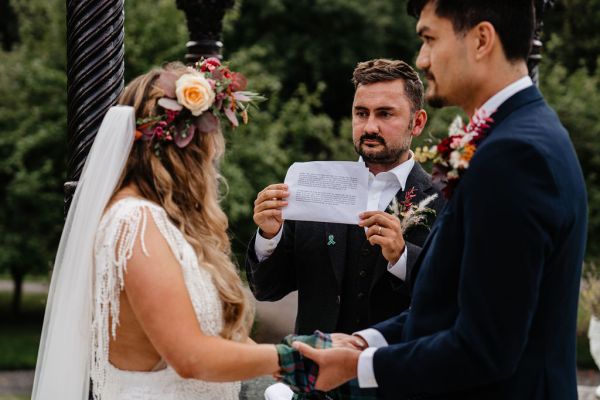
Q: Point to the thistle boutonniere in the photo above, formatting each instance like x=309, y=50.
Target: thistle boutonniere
x=452, y=155
x=411, y=214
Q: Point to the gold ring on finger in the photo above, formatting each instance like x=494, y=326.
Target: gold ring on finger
x=379, y=231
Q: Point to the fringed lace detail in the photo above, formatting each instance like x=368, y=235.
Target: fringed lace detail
x=114, y=246
x=122, y=225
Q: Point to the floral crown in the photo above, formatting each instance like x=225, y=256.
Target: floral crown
x=195, y=102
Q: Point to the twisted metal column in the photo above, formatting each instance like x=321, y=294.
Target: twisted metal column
x=205, y=23
x=535, y=57
x=95, y=70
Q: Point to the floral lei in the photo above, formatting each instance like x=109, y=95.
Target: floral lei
x=195, y=102
x=452, y=155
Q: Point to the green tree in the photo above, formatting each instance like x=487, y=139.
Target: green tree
x=576, y=99
x=9, y=34
x=306, y=71
x=32, y=141
x=570, y=28
x=320, y=41
x=299, y=53
x=153, y=35
x=33, y=121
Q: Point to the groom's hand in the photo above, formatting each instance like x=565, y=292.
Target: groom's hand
x=336, y=366
x=267, y=209
x=384, y=229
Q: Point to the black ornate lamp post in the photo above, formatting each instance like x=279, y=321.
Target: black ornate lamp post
x=205, y=23
x=535, y=57
x=95, y=68
x=95, y=65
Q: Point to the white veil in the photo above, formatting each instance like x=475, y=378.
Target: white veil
x=63, y=363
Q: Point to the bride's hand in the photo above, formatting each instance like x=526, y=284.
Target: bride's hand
x=277, y=376
x=348, y=341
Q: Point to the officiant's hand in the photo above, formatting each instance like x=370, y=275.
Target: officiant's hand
x=336, y=366
x=267, y=209
x=384, y=229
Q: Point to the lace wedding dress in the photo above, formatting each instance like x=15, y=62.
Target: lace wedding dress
x=121, y=226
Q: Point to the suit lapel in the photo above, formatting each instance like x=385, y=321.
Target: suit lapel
x=336, y=242
x=419, y=180
x=516, y=101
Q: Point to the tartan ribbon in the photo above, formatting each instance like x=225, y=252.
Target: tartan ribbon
x=301, y=373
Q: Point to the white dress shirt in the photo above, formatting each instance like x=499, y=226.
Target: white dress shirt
x=381, y=190
x=365, y=372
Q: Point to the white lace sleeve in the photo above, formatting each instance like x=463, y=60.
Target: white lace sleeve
x=118, y=231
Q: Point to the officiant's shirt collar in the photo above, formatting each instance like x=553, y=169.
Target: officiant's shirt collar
x=399, y=173
x=496, y=100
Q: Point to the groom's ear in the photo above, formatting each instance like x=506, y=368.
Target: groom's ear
x=484, y=39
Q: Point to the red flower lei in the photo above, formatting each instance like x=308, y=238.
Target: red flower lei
x=452, y=155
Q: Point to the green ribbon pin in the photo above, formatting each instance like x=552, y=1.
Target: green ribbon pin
x=331, y=242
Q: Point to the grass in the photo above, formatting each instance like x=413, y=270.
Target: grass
x=19, y=336
x=11, y=397
x=19, y=346
x=29, y=278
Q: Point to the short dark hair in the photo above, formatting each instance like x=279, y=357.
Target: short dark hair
x=383, y=70
x=514, y=20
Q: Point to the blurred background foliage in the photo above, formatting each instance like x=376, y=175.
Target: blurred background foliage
x=299, y=53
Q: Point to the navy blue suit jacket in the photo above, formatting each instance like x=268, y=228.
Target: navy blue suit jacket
x=495, y=300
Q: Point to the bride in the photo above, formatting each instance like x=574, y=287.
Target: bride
x=145, y=301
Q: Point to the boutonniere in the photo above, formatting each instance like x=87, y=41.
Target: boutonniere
x=411, y=214
x=452, y=155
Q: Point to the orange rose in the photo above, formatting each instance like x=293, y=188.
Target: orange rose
x=194, y=92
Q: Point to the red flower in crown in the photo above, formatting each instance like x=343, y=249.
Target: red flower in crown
x=238, y=82
x=210, y=64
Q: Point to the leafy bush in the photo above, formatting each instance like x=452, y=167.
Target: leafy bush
x=576, y=99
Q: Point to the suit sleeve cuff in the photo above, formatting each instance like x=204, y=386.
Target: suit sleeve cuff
x=373, y=337
x=399, y=269
x=265, y=247
x=366, y=373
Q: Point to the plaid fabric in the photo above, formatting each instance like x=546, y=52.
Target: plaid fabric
x=300, y=373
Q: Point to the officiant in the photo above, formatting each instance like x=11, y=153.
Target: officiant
x=349, y=277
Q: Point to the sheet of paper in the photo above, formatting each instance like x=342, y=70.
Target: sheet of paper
x=327, y=191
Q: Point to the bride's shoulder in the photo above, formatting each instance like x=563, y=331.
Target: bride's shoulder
x=126, y=215
x=124, y=207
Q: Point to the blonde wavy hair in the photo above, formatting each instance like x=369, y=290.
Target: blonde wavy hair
x=185, y=182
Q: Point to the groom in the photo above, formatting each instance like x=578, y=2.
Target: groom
x=495, y=301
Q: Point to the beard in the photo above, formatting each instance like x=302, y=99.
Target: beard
x=436, y=101
x=432, y=98
x=387, y=155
